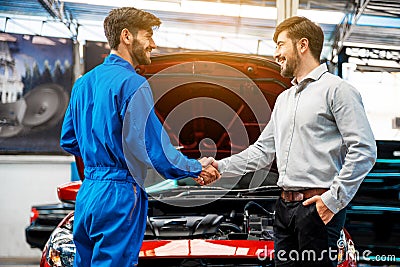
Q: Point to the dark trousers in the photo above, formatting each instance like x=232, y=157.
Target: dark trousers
x=301, y=237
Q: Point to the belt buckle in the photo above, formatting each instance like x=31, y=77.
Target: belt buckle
x=287, y=196
x=291, y=196
x=297, y=196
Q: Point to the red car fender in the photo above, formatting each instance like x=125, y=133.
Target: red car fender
x=204, y=248
x=67, y=192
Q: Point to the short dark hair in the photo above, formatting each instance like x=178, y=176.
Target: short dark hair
x=130, y=18
x=301, y=27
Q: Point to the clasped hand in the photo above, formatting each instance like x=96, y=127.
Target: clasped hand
x=209, y=174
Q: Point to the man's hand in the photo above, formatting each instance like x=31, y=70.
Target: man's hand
x=205, y=161
x=214, y=163
x=323, y=211
x=209, y=174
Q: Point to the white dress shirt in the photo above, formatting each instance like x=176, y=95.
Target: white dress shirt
x=321, y=137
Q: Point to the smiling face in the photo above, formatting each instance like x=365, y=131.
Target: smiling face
x=141, y=47
x=287, y=55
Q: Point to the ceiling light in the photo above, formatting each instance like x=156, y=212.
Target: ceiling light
x=217, y=8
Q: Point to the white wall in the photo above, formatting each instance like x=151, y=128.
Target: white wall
x=26, y=181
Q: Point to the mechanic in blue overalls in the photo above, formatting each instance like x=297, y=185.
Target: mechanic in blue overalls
x=111, y=206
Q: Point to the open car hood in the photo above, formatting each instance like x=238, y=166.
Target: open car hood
x=214, y=92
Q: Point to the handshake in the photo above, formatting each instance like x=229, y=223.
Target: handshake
x=209, y=173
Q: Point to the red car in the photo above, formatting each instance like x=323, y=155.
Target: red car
x=211, y=104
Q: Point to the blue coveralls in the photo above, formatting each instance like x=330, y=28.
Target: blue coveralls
x=111, y=206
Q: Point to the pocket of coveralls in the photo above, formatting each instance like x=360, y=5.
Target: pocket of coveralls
x=135, y=199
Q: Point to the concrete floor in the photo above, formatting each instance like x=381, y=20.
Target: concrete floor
x=19, y=262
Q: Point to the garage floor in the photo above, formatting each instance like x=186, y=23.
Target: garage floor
x=19, y=262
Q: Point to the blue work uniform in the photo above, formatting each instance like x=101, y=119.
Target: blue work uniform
x=111, y=205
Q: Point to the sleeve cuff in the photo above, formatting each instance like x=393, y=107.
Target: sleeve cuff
x=196, y=168
x=222, y=165
x=333, y=204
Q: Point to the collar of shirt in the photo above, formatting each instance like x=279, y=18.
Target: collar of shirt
x=114, y=59
x=314, y=75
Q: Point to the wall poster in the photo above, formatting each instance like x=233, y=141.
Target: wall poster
x=36, y=76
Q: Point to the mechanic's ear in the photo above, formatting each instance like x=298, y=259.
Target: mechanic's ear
x=126, y=36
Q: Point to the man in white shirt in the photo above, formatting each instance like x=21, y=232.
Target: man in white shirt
x=323, y=144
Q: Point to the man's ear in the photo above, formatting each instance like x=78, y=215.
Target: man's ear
x=126, y=36
x=303, y=43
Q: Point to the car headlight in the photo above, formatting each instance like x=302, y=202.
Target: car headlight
x=60, y=247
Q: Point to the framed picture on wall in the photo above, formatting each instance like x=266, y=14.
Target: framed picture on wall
x=36, y=75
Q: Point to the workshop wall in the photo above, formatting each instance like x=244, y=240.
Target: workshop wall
x=27, y=181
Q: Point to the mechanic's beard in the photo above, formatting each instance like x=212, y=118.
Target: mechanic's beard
x=138, y=54
x=291, y=66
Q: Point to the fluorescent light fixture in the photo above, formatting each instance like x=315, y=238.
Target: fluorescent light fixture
x=208, y=32
x=374, y=62
x=210, y=8
x=217, y=8
x=116, y=3
x=258, y=12
x=154, y=5
x=365, y=45
x=322, y=17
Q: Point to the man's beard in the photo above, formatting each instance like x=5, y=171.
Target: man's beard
x=138, y=54
x=291, y=65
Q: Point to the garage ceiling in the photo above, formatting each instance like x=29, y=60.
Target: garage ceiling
x=364, y=23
